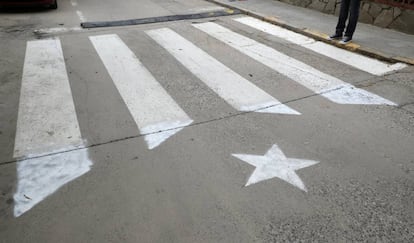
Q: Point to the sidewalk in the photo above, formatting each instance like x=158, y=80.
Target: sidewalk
x=384, y=44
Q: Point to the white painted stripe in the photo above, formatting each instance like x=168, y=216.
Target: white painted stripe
x=328, y=86
x=80, y=15
x=74, y=3
x=47, y=118
x=150, y=105
x=206, y=9
x=57, y=30
x=40, y=177
x=234, y=89
x=271, y=29
x=358, y=61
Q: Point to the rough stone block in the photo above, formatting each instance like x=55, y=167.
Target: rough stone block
x=397, y=12
x=365, y=17
x=330, y=6
x=318, y=5
x=405, y=22
x=337, y=8
x=302, y=3
x=385, y=18
x=375, y=10
x=365, y=7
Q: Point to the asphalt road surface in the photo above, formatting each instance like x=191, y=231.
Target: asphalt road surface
x=208, y=130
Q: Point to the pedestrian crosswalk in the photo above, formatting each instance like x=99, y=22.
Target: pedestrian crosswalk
x=48, y=124
x=47, y=119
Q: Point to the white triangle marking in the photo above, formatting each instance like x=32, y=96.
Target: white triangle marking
x=41, y=177
x=158, y=133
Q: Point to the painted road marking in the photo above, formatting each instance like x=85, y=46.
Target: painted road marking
x=81, y=16
x=275, y=164
x=328, y=86
x=47, y=118
x=149, y=104
x=364, y=63
x=234, y=89
x=206, y=9
x=41, y=177
x=57, y=30
x=46, y=122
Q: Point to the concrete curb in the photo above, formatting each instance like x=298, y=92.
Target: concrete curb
x=319, y=36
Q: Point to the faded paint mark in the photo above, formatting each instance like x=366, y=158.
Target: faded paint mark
x=80, y=15
x=40, y=177
x=57, y=30
x=349, y=94
x=206, y=9
x=275, y=164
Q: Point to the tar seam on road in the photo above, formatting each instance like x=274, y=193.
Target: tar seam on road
x=159, y=19
x=145, y=134
x=191, y=125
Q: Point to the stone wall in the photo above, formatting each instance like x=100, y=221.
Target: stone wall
x=378, y=14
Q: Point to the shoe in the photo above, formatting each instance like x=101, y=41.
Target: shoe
x=335, y=36
x=346, y=40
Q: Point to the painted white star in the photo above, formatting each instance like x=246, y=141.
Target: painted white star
x=275, y=164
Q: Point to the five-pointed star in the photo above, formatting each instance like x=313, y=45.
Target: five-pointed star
x=275, y=164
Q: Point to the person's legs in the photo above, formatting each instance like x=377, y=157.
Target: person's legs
x=353, y=17
x=343, y=15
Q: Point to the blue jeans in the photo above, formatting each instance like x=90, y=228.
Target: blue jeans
x=351, y=8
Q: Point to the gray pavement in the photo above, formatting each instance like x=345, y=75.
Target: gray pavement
x=191, y=188
x=371, y=39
